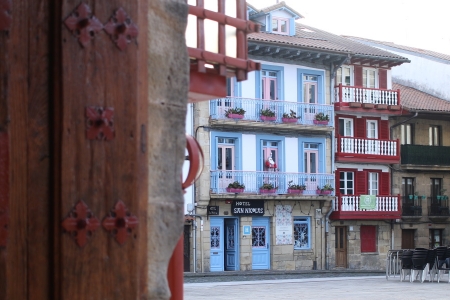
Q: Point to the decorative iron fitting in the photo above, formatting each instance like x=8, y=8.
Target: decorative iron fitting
x=100, y=123
x=120, y=222
x=80, y=223
x=5, y=15
x=83, y=24
x=121, y=29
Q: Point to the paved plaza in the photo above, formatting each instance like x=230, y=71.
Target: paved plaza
x=348, y=288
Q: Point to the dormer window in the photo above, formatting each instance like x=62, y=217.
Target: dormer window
x=280, y=25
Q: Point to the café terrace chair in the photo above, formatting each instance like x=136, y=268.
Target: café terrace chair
x=406, y=265
x=419, y=260
x=443, y=264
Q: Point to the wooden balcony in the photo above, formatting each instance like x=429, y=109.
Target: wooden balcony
x=351, y=149
x=304, y=112
x=359, y=99
x=253, y=180
x=424, y=157
x=347, y=207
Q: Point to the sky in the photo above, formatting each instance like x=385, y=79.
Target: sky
x=414, y=23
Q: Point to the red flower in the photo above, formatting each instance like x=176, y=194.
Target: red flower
x=269, y=165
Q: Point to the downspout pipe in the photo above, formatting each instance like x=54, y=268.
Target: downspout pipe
x=327, y=229
x=391, y=170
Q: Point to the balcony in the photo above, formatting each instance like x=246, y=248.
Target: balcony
x=411, y=207
x=425, y=157
x=253, y=180
x=359, y=99
x=353, y=149
x=347, y=207
x=252, y=118
x=438, y=209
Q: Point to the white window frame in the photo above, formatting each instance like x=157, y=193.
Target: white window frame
x=375, y=123
x=407, y=131
x=345, y=181
x=339, y=74
x=347, y=121
x=302, y=221
x=278, y=20
x=366, y=83
x=373, y=183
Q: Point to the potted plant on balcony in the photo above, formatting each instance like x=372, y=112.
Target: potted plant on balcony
x=290, y=117
x=235, y=113
x=442, y=196
x=267, y=188
x=235, y=187
x=321, y=118
x=267, y=115
x=295, y=188
x=327, y=189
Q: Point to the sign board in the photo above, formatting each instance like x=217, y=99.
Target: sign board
x=367, y=202
x=248, y=208
x=247, y=230
x=213, y=210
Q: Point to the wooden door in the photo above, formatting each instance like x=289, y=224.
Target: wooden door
x=408, y=239
x=341, y=246
x=187, y=248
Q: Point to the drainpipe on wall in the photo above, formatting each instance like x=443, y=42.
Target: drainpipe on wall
x=391, y=171
x=195, y=237
x=327, y=229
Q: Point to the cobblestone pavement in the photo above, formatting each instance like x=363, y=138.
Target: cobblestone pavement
x=324, y=288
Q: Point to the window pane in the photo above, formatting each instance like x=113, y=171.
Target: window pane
x=283, y=26
x=274, y=25
x=272, y=89
x=229, y=159
x=347, y=76
x=219, y=158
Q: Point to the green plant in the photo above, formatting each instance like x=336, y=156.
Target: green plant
x=326, y=187
x=267, y=112
x=236, y=111
x=322, y=117
x=236, y=185
x=291, y=115
x=296, y=186
x=268, y=186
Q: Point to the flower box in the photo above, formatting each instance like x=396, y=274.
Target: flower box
x=381, y=106
x=368, y=105
x=266, y=191
x=293, y=191
x=289, y=120
x=320, y=122
x=235, y=116
x=394, y=107
x=233, y=190
x=265, y=118
x=354, y=104
x=323, y=192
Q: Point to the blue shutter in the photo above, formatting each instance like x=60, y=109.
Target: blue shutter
x=280, y=85
x=321, y=158
x=291, y=26
x=269, y=22
x=320, y=98
x=258, y=84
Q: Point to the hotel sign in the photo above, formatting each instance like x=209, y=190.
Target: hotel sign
x=248, y=208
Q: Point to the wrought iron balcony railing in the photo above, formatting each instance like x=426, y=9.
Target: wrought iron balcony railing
x=253, y=180
x=306, y=113
x=425, y=155
x=346, y=94
x=352, y=203
x=438, y=206
x=412, y=206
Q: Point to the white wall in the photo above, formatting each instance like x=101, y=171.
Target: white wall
x=248, y=152
x=189, y=195
x=282, y=14
x=291, y=154
x=248, y=86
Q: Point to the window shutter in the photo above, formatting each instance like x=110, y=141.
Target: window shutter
x=368, y=238
x=360, y=128
x=384, y=183
x=358, y=76
x=337, y=183
x=361, y=183
x=382, y=78
x=384, y=130
x=322, y=166
x=291, y=27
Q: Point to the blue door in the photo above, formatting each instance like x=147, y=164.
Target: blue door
x=231, y=244
x=217, y=247
x=260, y=243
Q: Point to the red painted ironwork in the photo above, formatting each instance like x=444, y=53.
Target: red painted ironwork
x=80, y=223
x=120, y=222
x=121, y=29
x=4, y=188
x=99, y=123
x=83, y=24
x=196, y=161
x=5, y=14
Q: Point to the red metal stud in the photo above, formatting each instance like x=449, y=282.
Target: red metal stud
x=4, y=188
x=99, y=123
x=120, y=222
x=80, y=223
x=121, y=29
x=83, y=24
x=5, y=14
